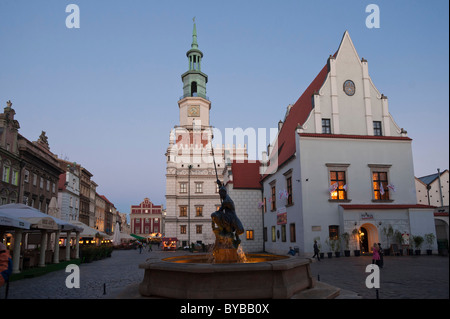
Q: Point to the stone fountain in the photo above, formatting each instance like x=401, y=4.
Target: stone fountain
x=227, y=274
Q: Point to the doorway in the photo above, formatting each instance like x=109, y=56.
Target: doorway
x=363, y=240
x=368, y=235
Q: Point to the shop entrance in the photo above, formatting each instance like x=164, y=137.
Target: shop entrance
x=368, y=235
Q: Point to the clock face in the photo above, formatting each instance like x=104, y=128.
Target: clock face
x=194, y=111
x=349, y=87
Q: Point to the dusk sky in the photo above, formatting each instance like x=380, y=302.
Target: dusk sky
x=106, y=93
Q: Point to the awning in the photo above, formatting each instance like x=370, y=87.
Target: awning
x=86, y=231
x=138, y=237
x=170, y=239
x=11, y=222
x=36, y=218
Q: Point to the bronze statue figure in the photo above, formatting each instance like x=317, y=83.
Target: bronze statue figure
x=229, y=225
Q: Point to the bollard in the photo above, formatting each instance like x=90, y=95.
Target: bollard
x=104, y=288
x=376, y=292
x=318, y=277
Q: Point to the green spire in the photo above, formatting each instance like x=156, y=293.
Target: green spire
x=194, y=44
x=194, y=80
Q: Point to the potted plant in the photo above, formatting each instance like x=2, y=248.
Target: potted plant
x=346, y=239
x=418, y=241
x=337, y=247
x=398, y=237
x=429, y=240
x=356, y=252
x=388, y=232
x=330, y=245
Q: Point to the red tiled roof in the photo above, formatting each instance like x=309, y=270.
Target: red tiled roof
x=246, y=175
x=383, y=206
x=298, y=115
x=367, y=137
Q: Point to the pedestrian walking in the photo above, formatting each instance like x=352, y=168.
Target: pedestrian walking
x=375, y=254
x=381, y=253
x=150, y=247
x=316, y=251
x=140, y=248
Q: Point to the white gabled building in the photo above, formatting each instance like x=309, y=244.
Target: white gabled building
x=342, y=165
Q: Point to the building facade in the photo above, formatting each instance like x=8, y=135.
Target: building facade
x=69, y=191
x=343, y=166
x=10, y=162
x=85, y=195
x=244, y=188
x=146, y=218
x=433, y=190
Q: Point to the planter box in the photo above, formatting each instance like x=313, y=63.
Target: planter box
x=347, y=253
x=337, y=254
x=417, y=252
x=357, y=253
x=330, y=255
x=429, y=252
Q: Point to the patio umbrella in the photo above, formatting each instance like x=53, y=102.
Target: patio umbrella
x=36, y=218
x=116, y=237
x=13, y=222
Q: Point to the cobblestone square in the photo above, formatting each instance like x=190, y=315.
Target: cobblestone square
x=404, y=277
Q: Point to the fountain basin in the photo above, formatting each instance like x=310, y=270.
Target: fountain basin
x=264, y=276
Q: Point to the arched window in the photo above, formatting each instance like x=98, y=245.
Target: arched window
x=194, y=88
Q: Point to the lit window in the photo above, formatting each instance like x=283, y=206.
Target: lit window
x=380, y=183
x=250, y=235
x=338, y=185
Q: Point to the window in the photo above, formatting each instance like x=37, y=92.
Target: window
x=183, y=211
x=338, y=185
x=274, y=238
x=15, y=178
x=26, y=176
x=326, y=126
x=292, y=232
x=41, y=183
x=380, y=183
x=289, y=190
x=198, y=211
x=283, y=233
x=333, y=231
x=6, y=170
x=34, y=179
x=182, y=229
x=183, y=187
x=377, y=128
x=273, y=205
x=199, y=187
x=250, y=235
x=198, y=229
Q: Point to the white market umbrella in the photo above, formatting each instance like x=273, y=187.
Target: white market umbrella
x=116, y=235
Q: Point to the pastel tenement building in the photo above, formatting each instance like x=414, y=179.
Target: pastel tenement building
x=343, y=165
x=191, y=188
x=146, y=218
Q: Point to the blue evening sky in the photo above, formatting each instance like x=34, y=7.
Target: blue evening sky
x=106, y=94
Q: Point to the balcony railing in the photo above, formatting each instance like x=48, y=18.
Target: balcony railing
x=195, y=95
